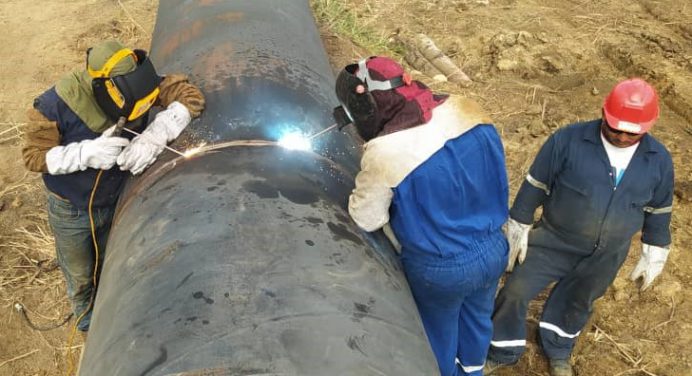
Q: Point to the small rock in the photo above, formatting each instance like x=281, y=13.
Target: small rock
x=621, y=296
x=537, y=128
x=552, y=64
x=506, y=64
x=684, y=191
x=619, y=287
x=595, y=91
x=440, y=78
x=17, y=202
x=543, y=37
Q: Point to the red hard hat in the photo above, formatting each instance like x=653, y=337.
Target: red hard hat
x=632, y=106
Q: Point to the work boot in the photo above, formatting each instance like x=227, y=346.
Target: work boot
x=491, y=366
x=560, y=367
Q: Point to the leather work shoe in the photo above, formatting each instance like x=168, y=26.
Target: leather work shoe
x=560, y=367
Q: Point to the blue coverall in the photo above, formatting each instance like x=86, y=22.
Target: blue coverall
x=443, y=188
x=583, y=235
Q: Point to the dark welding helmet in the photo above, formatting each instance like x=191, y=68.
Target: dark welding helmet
x=358, y=107
x=128, y=95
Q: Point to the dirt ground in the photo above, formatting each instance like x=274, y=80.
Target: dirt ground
x=536, y=66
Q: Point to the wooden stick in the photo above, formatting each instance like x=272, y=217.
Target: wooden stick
x=620, y=348
x=10, y=129
x=420, y=63
x=441, y=61
x=18, y=357
x=8, y=139
x=672, y=313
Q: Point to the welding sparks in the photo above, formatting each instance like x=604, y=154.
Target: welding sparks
x=190, y=152
x=295, y=141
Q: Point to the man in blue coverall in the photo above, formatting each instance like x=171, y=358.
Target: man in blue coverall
x=433, y=167
x=599, y=183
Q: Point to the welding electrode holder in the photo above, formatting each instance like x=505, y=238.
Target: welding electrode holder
x=119, y=127
x=341, y=117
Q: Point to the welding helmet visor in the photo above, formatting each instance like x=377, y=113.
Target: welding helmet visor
x=354, y=87
x=128, y=95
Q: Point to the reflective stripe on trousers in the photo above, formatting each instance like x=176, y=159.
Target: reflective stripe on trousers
x=581, y=281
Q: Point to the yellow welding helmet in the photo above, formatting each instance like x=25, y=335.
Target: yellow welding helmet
x=128, y=95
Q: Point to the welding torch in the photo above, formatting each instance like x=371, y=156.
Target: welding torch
x=342, y=119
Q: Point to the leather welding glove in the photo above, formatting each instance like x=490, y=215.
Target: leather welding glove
x=100, y=153
x=650, y=264
x=145, y=148
x=518, y=238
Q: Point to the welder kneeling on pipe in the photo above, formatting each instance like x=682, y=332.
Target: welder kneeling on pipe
x=433, y=168
x=71, y=139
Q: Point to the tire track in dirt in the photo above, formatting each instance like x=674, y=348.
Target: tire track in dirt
x=672, y=18
x=632, y=64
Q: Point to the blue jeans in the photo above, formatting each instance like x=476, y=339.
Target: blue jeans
x=455, y=298
x=75, y=250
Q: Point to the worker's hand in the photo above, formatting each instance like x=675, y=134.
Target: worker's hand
x=650, y=264
x=518, y=238
x=100, y=153
x=140, y=154
x=145, y=148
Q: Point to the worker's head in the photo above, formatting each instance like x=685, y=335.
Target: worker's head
x=376, y=94
x=124, y=81
x=629, y=112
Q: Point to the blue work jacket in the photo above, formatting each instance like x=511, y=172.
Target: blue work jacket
x=77, y=186
x=583, y=209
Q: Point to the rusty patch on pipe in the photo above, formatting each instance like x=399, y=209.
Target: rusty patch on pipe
x=215, y=67
x=230, y=16
x=183, y=36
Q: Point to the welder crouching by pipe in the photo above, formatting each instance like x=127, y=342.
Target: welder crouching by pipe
x=70, y=138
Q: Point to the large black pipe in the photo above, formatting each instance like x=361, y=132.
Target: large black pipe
x=242, y=260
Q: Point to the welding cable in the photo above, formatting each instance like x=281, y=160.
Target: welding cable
x=70, y=364
x=41, y=328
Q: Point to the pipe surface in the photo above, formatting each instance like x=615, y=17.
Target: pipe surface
x=242, y=260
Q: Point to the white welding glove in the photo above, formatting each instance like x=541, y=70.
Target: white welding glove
x=99, y=153
x=145, y=148
x=650, y=264
x=518, y=238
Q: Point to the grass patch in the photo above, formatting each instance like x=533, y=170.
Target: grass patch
x=343, y=21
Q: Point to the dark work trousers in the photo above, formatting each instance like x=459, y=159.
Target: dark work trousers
x=75, y=251
x=580, y=281
x=455, y=296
